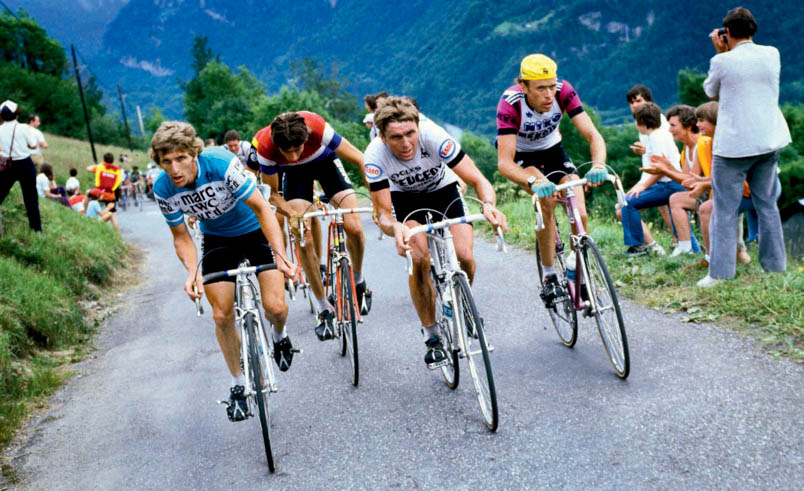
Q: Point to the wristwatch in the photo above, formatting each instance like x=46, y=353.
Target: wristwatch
x=531, y=180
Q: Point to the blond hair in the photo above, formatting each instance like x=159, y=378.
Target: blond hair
x=175, y=135
x=394, y=110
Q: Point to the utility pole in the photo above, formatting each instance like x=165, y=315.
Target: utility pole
x=84, y=105
x=125, y=119
x=139, y=118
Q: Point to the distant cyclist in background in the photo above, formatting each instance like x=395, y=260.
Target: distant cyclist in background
x=306, y=148
x=234, y=144
x=238, y=224
x=529, y=150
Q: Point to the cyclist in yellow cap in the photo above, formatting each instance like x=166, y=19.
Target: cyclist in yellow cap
x=529, y=150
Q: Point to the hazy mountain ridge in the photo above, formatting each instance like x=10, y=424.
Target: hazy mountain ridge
x=455, y=57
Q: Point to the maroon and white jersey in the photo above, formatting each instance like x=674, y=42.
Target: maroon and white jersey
x=534, y=130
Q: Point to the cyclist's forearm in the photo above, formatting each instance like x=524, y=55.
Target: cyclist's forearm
x=282, y=206
x=270, y=228
x=515, y=173
x=185, y=250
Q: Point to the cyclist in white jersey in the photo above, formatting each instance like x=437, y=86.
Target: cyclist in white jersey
x=407, y=169
x=529, y=151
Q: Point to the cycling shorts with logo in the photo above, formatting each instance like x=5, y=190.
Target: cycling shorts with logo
x=447, y=203
x=553, y=163
x=298, y=183
x=222, y=253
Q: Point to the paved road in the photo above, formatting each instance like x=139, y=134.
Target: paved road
x=702, y=407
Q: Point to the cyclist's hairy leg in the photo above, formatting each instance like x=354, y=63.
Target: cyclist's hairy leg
x=580, y=201
x=221, y=297
x=463, y=239
x=547, y=236
x=309, y=258
x=422, y=292
x=355, y=239
x=318, y=239
x=272, y=291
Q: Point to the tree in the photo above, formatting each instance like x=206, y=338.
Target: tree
x=308, y=75
x=481, y=152
x=690, y=87
x=153, y=119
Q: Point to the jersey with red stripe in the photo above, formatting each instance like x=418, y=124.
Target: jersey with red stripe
x=319, y=147
x=534, y=130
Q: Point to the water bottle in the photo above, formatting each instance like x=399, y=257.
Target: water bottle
x=570, y=262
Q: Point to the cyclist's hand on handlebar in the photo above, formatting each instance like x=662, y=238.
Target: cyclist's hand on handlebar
x=294, y=220
x=597, y=175
x=495, y=217
x=401, y=238
x=543, y=188
x=286, y=268
x=192, y=222
x=198, y=282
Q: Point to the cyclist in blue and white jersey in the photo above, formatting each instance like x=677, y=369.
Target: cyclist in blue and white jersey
x=237, y=223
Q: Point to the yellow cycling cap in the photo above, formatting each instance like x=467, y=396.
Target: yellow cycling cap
x=537, y=67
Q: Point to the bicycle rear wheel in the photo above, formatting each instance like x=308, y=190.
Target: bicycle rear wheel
x=349, y=319
x=607, y=312
x=479, y=366
x=562, y=314
x=450, y=372
x=259, y=385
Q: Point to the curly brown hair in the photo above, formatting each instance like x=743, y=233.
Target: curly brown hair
x=175, y=135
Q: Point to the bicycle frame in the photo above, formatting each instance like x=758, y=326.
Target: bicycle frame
x=577, y=232
x=246, y=302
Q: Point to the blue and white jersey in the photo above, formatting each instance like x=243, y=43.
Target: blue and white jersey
x=217, y=198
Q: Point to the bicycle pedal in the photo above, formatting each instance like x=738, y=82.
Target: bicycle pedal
x=438, y=364
x=294, y=350
x=225, y=403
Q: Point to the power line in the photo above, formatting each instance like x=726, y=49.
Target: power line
x=9, y=10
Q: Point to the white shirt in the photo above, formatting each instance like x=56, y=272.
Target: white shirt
x=72, y=183
x=42, y=185
x=746, y=82
x=661, y=143
x=39, y=137
x=643, y=139
x=22, y=138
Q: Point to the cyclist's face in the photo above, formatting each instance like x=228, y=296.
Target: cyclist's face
x=540, y=93
x=233, y=146
x=180, y=166
x=292, y=154
x=402, y=138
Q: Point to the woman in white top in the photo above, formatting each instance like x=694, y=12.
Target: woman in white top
x=15, y=139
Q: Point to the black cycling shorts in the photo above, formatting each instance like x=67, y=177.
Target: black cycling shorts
x=553, y=163
x=222, y=253
x=447, y=203
x=330, y=174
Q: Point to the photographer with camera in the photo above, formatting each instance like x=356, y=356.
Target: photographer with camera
x=744, y=78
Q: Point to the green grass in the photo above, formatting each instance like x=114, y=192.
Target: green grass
x=769, y=307
x=43, y=327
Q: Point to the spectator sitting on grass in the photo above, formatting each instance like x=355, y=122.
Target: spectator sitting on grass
x=651, y=190
x=95, y=210
x=683, y=127
x=76, y=200
x=46, y=186
x=73, y=184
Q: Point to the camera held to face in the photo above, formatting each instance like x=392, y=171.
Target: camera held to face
x=721, y=33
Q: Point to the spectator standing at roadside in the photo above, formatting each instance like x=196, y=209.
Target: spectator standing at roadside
x=16, y=143
x=36, y=154
x=371, y=101
x=744, y=78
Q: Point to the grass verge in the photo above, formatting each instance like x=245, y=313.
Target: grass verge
x=769, y=307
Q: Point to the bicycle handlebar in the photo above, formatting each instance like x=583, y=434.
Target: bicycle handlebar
x=612, y=178
x=329, y=212
x=234, y=272
x=431, y=227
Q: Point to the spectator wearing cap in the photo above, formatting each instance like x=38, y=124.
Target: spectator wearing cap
x=747, y=143
x=368, y=120
x=41, y=143
x=16, y=142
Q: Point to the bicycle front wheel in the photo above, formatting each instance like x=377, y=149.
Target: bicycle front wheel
x=259, y=385
x=562, y=314
x=475, y=348
x=607, y=312
x=349, y=318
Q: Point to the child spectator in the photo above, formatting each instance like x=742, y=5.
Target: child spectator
x=76, y=200
x=651, y=191
x=73, y=184
x=95, y=210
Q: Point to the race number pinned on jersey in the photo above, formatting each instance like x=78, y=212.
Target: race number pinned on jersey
x=373, y=171
x=447, y=149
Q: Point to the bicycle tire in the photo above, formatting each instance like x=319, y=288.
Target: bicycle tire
x=450, y=372
x=563, y=315
x=260, y=391
x=466, y=310
x=608, y=316
x=349, y=319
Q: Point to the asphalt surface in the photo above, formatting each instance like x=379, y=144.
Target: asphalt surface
x=702, y=408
